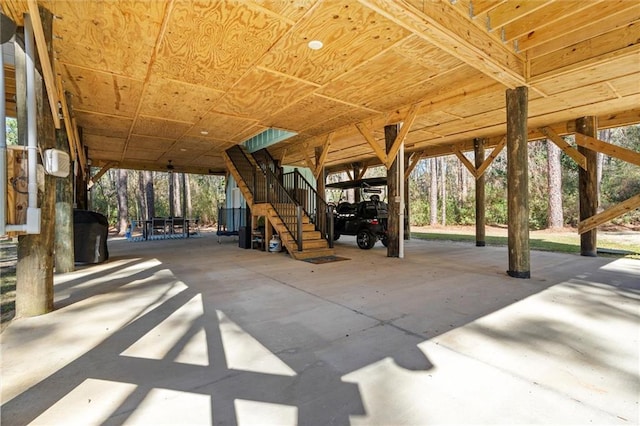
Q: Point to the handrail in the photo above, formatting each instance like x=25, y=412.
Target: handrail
x=266, y=187
x=313, y=204
x=285, y=206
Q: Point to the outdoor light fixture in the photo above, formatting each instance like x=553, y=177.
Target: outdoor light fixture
x=315, y=45
x=204, y=132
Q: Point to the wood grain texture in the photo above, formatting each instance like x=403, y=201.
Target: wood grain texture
x=168, y=129
x=91, y=34
x=219, y=40
x=351, y=34
x=102, y=92
x=177, y=100
x=260, y=93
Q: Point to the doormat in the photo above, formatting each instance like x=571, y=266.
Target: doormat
x=325, y=259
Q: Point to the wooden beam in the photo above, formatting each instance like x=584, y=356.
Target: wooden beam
x=480, y=170
x=465, y=161
x=414, y=159
x=307, y=158
x=283, y=156
x=103, y=170
x=363, y=170
x=323, y=156
x=68, y=125
x=609, y=214
x=478, y=151
x=404, y=130
x=563, y=145
x=80, y=146
x=366, y=133
x=440, y=24
x=45, y=62
x=611, y=150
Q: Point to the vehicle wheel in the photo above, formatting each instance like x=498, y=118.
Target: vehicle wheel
x=385, y=241
x=365, y=239
x=336, y=236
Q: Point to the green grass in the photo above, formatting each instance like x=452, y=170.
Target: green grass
x=555, y=243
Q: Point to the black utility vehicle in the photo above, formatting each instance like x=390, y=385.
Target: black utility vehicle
x=367, y=220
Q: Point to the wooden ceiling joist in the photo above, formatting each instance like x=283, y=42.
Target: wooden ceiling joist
x=440, y=24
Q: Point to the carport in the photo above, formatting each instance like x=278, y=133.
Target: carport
x=443, y=335
x=177, y=332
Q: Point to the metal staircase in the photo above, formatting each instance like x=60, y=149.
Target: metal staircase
x=295, y=210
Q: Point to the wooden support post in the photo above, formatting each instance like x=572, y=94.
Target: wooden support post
x=393, y=221
x=518, y=183
x=34, y=270
x=478, y=150
x=64, y=250
x=588, y=186
x=356, y=191
x=81, y=192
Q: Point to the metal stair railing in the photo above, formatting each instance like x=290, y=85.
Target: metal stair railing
x=252, y=177
x=265, y=187
x=313, y=204
x=285, y=206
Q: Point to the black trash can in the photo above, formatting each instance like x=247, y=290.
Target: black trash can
x=90, y=230
x=244, y=235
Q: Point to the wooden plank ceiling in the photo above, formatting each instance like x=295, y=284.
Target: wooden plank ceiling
x=181, y=81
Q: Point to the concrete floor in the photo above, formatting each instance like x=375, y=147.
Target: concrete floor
x=196, y=332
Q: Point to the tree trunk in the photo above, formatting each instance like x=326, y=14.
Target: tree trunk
x=142, y=200
x=189, y=212
x=149, y=194
x=443, y=201
x=554, y=175
x=177, y=205
x=433, y=193
x=123, y=205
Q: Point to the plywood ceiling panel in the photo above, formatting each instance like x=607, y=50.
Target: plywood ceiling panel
x=218, y=41
x=167, y=129
x=138, y=143
x=102, y=92
x=177, y=100
x=308, y=112
x=87, y=30
x=104, y=143
x=351, y=34
x=221, y=126
x=100, y=124
x=151, y=76
x=261, y=93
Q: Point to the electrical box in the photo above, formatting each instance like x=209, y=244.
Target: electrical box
x=56, y=163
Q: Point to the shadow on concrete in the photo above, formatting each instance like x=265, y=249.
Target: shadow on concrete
x=214, y=334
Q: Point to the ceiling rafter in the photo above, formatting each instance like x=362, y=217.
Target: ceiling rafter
x=441, y=25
